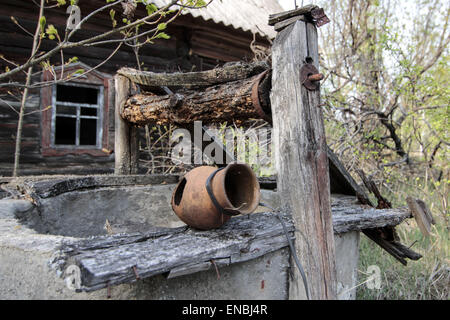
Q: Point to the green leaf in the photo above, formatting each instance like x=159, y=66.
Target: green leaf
x=151, y=8
x=162, y=35
x=42, y=22
x=51, y=32
x=72, y=60
x=162, y=26
x=112, y=13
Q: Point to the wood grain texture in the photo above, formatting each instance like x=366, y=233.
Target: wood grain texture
x=126, y=136
x=181, y=251
x=421, y=217
x=301, y=160
x=227, y=73
x=278, y=17
x=110, y=260
x=215, y=104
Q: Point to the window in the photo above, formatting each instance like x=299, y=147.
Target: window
x=77, y=115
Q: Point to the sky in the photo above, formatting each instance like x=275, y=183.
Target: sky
x=290, y=4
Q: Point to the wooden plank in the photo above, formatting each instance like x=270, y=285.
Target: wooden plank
x=420, y=216
x=232, y=72
x=126, y=153
x=301, y=161
x=283, y=24
x=180, y=251
x=45, y=187
x=278, y=17
x=241, y=239
x=342, y=182
x=351, y=216
x=427, y=211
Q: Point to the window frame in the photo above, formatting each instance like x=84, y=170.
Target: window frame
x=78, y=116
x=93, y=79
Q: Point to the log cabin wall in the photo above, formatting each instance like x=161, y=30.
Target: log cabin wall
x=195, y=45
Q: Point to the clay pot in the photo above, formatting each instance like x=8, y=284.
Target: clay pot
x=235, y=188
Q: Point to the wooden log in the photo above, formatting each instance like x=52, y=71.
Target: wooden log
x=126, y=136
x=230, y=72
x=301, y=160
x=226, y=102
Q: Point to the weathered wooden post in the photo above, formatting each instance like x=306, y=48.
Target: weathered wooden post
x=301, y=152
x=126, y=136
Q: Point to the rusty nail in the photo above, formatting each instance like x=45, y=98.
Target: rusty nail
x=315, y=77
x=136, y=273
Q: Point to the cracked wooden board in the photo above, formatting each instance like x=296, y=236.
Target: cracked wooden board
x=109, y=260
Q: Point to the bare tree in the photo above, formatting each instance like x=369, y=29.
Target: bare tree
x=131, y=31
x=386, y=88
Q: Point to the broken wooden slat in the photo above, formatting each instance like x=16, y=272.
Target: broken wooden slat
x=376, y=234
x=226, y=102
x=241, y=239
x=426, y=210
x=51, y=187
x=394, y=248
x=227, y=73
x=342, y=182
x=181, y=251
x=278, y=17
x=357, y=217
x=284, y=23
x=420, y=216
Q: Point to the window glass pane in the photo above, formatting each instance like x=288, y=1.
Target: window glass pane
x=76, y=94
x=89, y=112
x=88, y=132
x=65, y=130
x=66, y=110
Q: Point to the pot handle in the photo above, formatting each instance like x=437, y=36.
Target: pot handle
x=227, y=211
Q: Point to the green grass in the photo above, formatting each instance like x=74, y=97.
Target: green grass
x=425, y=279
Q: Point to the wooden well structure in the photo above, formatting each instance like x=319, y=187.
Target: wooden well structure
x=286, y=93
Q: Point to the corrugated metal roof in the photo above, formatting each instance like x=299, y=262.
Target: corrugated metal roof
x=248, y=15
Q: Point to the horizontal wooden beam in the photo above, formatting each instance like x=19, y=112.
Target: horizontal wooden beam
x=278, y=17
x=351, y=216
x=227, y=73
x=110, y=260
x=227, y=102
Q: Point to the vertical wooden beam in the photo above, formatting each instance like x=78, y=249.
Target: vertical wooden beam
x=126, y=136
x=302, y=162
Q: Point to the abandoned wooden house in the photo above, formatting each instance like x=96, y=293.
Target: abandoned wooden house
x=116, y=236
x=57, y=140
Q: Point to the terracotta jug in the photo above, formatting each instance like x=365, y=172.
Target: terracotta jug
x=207, y=197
